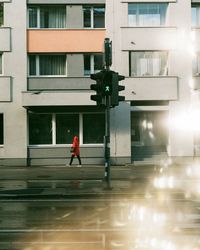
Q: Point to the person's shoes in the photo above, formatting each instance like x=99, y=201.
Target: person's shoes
x=79, y=166
x=67, y=165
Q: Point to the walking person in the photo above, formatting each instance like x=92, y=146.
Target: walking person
x=75, y=151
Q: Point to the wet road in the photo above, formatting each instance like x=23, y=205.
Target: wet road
x=155, y=221
x=158, y=212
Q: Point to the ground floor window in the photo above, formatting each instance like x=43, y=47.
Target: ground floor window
x=55, y=129
x=1, y=129
x=93, y=128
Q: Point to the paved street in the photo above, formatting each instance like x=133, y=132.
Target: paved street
x=148, y=207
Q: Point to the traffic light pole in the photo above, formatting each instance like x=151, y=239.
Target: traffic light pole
x=108, y=62
x=107, y=144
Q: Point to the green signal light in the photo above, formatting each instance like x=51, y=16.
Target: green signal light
x=107, y=88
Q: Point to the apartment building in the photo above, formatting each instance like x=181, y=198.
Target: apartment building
x=49, y=48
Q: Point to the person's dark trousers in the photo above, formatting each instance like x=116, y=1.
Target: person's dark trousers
x=72, y=157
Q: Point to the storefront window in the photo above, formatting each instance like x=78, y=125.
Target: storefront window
x=54, y=129
x=40, y=129
x=93, y=128
x=67, y=126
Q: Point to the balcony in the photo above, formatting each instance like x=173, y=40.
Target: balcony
x=58, y=91
x=159, y=38
x=5, y=39
x=59, y=83
x=151, y=88
x=67, y=41
x=6, y=89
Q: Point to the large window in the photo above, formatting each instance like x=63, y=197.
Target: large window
x=44, y=65
x=93, y=128
x=47, y=17
x=1, y=129
x=92, y=63
x=40, y=128
x=147, y=14
x=94, y=17
x=195, y=15
x=55, y=129
x=149, y=63
x=67, y=126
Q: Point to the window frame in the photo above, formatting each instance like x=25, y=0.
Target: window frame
x=92, y=17
x=92, y=63
x=149, y=75
x=197, y=15
x=38, y=8
x=53, y=123
x=38, y=65
x=137, y=19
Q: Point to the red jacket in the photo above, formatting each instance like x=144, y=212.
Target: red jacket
x=75, y=145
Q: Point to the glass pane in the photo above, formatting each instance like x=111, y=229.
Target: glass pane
x=194, y=16
x=1, y=64
x=149, y=63
x=1, y=14
x=67, y=126
x=87, y=66
x=32, y=17
x=53, y=17
x=132, y=14
x=98, y=62
x=87, y=17
x=40, y=129
x=147, y=14
x=93, y=128
x=99, y=17
x=1, y=129
x=32, y=65
x=52, y=64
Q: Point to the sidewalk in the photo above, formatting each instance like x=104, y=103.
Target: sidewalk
x=60, y=181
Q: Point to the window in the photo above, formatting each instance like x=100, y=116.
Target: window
x=1, y=129
x=94, y=17
x=55, y=129
x=46, y=64
x=195, y=15
x=47, y=17
x=92, y=63
x=149, y=63
x=66, y=127
x=1, y=14
x=196, y=64
x=93, y=128
x=40, y=128
x=147, y=14
x=1, y=66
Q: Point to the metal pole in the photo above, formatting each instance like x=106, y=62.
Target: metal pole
x=107, y=144
x=108, y=62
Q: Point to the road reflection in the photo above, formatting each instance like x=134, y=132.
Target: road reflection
x=163, y=213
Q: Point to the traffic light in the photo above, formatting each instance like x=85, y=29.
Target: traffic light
x=107, y=83
x=116, y=88
x=98, y=87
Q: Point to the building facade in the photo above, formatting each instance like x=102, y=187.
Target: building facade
x=49, y=48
